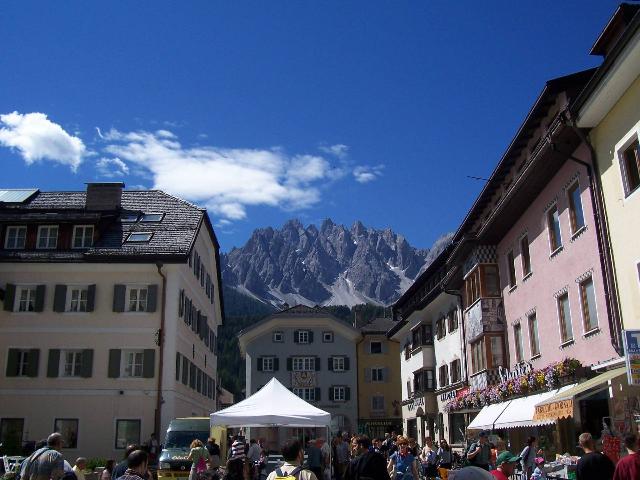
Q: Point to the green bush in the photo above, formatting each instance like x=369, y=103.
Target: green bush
x=93, y=463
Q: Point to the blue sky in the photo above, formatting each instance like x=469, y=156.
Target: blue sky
x=267, y=110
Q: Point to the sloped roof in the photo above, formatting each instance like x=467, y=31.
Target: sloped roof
x=378, y=325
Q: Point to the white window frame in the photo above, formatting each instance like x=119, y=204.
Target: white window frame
x=620, y=148
x=268, y=364
x=518, y=341
x=547, y=221
x=558, y=308
x=128, y=369
x=16, y=229
x=371, y=347
x=85, y=242
x=23, y=362
x=595, y=306
x=277, y=336
x=307, y=394
x=303, y=364
x=48, y=237
x=32, y=292
x=377, y=374
x=338, y=364
x=76, y=368
x=339, y=393
x=327, y=337
x=531, y=337
x=380, y=399
x=70, y=301
x=570, y=206
x=303, y=336
x=127, y=299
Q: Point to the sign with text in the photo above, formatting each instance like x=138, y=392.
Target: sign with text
x=517, y=371
x=632, y=355
x=554, y=410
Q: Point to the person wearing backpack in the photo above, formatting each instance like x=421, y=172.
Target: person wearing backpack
x=47, y=463
x=292, y=469
x=479, y=452
x=200, y=457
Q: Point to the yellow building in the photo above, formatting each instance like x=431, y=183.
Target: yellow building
x=609, y=108
x=379, y=409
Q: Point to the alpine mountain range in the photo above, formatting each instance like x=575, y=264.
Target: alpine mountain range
x=330, y=265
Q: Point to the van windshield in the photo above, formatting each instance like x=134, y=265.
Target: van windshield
x=178, y=439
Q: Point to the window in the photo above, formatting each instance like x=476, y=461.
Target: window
x=327, y=337
x=631, y=168
x=517, y=338
x=68, y=428
x=304, y=364
x=26, y=297
x=441, y=329
x=497, y=352
x=452, y=320
x=456, y=371
x=375, y=347
x=77, y=299
x=588, y=300
x=338, y=364
x=443, y=374
x=377, y=374
x=152, y=217
x=129, y=217
x=47, y=237
x=308, y=394
x=457, y=426
x=526, y=258
x=534, y=340
x=428, y=380
x=127, y=433
x=339, y=394
x=415, y=337
x=576, y=216
x=426, y=334
x=82, y=236
x=478, y=360
x=23, y=363
x=137, y=299
x=564, y=313
x=511, y=266
x=11, y=432
x=483, y=281
x=16, y=237
x=278, y=337
x=133, y=361
x=267, y=364
x=71, y=363
x=303, y=336
x=490, y=280
x=139, y=237
x=377, y=402
x=553, y=223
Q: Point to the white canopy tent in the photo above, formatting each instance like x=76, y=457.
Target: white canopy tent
x=272, y=405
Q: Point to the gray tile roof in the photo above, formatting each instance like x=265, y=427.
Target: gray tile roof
x=378, y=325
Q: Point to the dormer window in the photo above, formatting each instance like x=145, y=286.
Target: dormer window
x=82, y=236
x=152, y=217
x=16, y=237
x=131, y=217
x=139, y=237
x=47, y=237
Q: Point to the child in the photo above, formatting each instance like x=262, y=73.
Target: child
x=538, y=473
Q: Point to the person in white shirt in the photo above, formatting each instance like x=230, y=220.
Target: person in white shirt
x=293, y=455
x=78, y=468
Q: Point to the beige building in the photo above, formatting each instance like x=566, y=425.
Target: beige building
x=112, y=302
x=379, y=393
x=609, y=108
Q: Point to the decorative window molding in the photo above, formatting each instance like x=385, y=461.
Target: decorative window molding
x=585, y=275
x=561, y=292
x=548, y=206
x=517, y=321
x=569, y=183
x=528, y=313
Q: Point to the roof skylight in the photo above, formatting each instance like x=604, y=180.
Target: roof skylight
x=139, y=237
x=152, y=217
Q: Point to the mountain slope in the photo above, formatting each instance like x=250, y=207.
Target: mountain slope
x=332, y=265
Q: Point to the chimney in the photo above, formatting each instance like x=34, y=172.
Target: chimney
x=104, y=195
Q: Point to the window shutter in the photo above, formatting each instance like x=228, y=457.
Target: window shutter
x=39, y=305
x=259, y=364
x=347, y=393
x=317, y=364
x=185, y=370
x=289, y=364
x=331, y=396
x=318, y=396
x=296, y=336
x=60, y=298
x=194, y=318
x=12, y=362
x=178, y=362
x=114, y=363
x=330, y=364
x=91, y=298
x=32, y=362
x=385, y=375
x=385, y=346
x=367, y=375
x=53, y=364
x=181, y=303
x=149, y=363
x=346, y=363
x=310, y=336
x=87, y=362
x=276, y=364
x=9, y=297
x=119, y=292
x=152, y=297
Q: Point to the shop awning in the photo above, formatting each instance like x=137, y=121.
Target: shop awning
x=486, y=418
x=520, y=412
x=561, y=404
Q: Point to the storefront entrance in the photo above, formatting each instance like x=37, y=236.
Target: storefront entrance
x=412, y=428
x=592, y=411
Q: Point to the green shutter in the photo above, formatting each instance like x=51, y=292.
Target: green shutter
x=330, y=364
x=296, y=336
x=181, y=303
x=149, y=365
x=87, y=363
x=152, y=297
x=114, y=363
x=317, y=364
x=259, y=364
x=9, y=297
x=347, y=393
x=276, y=364
x=346, y=363
x=119, y=293
x=39, y=305
x=53, y=364
x=318, y=390
x=310, y=336
x=60, y=298
x=331, y=393
x=12, y=362
x=33, y=360
x=367, y=375
x=289, y=364
x=177, y=367
x=91, y=298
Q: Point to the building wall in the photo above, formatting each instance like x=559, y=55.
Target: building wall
x=554, y=273
x=620, y=126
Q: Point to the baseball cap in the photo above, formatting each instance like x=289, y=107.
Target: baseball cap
x=507, y=457
x=484, y=433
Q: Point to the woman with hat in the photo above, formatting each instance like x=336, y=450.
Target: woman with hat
x=402, y=465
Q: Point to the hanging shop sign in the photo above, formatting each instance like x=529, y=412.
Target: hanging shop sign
x=450, y=395
x=632, y=355
x=415, y=403
x=554, y=410
x=521, y=369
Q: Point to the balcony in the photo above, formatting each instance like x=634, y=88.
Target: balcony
x=484, y=378
x=486, y=315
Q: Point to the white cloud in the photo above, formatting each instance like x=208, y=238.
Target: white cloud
x=366, y=174
x=226, y=180
x=112, y=167
x=38, y=138
x=338, y=150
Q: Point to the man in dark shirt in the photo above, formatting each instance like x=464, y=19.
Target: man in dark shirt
x=314, y=458
x=120, y=468
x=593, y=465
x=628, y=468
x=368, y=465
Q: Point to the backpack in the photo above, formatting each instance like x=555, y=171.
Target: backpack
x=292, y=475
x=25, y=467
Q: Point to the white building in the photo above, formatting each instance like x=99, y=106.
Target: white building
x=112, y=300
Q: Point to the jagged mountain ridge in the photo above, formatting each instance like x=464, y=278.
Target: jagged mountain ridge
x=330, y=265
